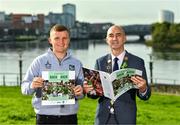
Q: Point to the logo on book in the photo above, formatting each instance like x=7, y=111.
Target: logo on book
x=48, y=65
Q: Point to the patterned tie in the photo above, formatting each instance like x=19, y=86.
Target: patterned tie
x=115, y=67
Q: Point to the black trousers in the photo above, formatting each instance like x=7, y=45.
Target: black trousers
x=112, y=120
x=58, y=120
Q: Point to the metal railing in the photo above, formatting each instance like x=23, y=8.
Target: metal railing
x=166, y=81
x=10, y=79
x=13, y=79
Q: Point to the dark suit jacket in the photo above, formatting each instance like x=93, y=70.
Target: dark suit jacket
x=125, y=105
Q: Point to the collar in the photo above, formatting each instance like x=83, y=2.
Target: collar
x=120, y=57
x=53, y=55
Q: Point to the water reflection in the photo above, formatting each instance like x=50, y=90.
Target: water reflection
x=29, y=45
x=23, y=45
x=82, y=45
x=164, y=63
x=166, y=55
x=76, y=45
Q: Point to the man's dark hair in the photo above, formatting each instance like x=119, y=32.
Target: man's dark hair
x=60, y=28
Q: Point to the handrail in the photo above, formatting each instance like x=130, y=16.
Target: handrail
x=10, y=79
x=167, y=81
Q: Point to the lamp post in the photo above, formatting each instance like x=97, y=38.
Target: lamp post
x=151, y=68
x=20, y=66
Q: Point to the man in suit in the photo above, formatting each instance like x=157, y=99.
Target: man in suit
x=123, y=110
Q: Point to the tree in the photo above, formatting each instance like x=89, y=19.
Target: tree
x=165, y=34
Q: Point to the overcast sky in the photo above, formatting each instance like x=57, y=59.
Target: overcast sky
x=96, y=11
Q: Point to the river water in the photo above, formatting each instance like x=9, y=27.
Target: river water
x=166, y=65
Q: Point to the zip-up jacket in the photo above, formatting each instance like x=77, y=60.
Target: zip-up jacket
x=49, y=62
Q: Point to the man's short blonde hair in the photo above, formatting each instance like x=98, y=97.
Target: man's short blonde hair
x=59, y=28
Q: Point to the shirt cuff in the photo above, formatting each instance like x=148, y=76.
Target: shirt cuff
x=142, y=94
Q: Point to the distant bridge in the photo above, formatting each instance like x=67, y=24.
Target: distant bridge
x=135, y=30
x=138, y=30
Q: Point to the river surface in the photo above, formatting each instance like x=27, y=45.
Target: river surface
x=166, y=65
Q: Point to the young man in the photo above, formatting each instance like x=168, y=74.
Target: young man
x=123, y=110
x=57, y=58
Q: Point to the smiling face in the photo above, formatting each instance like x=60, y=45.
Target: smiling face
x=59, y=41
x=116, y=38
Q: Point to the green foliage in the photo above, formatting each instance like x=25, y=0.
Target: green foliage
x=16, y=108
x=164, y=35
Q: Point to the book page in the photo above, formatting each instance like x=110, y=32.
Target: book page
x=121, y=80
x=58, y=87
x=92, y=77
x=107, y=85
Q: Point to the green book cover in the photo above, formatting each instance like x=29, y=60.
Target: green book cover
x=58, y=87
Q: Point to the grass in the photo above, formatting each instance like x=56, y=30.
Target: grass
x=161, y=109
x=14, y=107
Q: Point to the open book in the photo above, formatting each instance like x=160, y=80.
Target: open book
x=111, y=85
x=58, y=87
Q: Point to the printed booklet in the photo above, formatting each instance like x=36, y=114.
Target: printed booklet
x=58, y=87
x=111, y=85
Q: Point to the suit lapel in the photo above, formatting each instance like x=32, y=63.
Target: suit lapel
x=125, y=62
x=109, y=63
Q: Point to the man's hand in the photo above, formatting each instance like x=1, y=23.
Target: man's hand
x=140, y=83
x=78, y=90
x=87, y=88
x=37, y=82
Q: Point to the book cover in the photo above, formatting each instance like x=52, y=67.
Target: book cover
x=58, y=87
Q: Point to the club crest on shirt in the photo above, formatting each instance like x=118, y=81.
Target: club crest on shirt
x=48, y=65
x=72, y=67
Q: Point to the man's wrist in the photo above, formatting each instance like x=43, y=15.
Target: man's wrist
x=143, y=92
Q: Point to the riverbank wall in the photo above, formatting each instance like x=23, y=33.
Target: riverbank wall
x=165, y=88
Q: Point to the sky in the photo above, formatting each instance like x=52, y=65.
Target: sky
x=121, y=12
